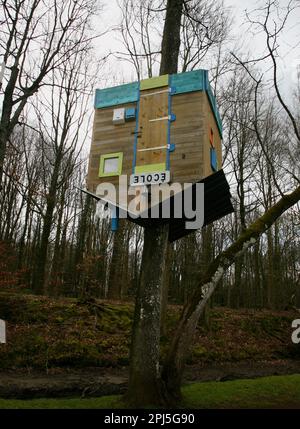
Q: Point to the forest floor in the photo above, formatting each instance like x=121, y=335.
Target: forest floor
x=96, y=382
x=65, y=347
x=281, y=392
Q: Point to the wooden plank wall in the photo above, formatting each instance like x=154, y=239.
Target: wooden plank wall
x=109, y=138
x=210, y=123
x=189, y=162
x=187, y=132
x=153, y=105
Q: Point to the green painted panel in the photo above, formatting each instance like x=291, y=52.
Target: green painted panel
x=122, y=94
x=155, y=82
x=150, y=168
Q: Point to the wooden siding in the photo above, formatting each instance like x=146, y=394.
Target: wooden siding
x=109, y=138
x=210, y=122
x=153, y=105
x=187, y=133
x=189, y=162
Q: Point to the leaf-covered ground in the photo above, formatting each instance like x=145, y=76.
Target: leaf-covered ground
x=267, y=392
x=45, y=333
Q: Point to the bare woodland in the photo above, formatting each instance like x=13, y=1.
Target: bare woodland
x=56, y=240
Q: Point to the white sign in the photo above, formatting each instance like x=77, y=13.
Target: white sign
x=150, y=178
x=2, y=332
x=119, y=116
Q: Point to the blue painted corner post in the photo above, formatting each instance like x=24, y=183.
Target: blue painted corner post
x=114, y=219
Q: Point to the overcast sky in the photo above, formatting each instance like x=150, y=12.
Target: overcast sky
x=110, y=17
x=116, y=72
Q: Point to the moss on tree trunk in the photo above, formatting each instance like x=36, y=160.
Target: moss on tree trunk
x=144, y=380
x=183, y=338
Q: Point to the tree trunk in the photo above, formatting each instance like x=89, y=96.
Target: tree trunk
x=41, y=257
x=125, y=263
x=237, y=289
x=270, y=275
x=3, y=143
x=81, y=239
x=258, y=298
x=115, y=272
x=171, y=38
x=165, y=289
x=183, y=338
x=57, y=261
x=207, y=257
x=144, y=379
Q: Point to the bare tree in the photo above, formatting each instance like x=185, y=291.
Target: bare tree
x=205, y=27
x=173, y=368
x=35, y=38
x=65, y=109
x=138, y=29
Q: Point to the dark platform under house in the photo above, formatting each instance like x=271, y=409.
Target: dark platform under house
x=217, y=203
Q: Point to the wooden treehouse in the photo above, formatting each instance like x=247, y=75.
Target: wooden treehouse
x=166, y=129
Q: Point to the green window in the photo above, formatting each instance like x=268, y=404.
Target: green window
x=111, y=164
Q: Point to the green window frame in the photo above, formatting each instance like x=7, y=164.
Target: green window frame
x=103, y=158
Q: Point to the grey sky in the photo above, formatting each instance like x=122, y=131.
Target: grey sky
x=255, y=43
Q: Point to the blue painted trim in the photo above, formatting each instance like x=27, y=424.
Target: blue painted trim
x=195, y=80
x=206, y=81
x=130, y=114
x=136, y=132
x=96, y=98
x=172, y=147
x=172, y=90
x=173, y=117
x=122, y=94
x=169, y=125
x=115, y=219
x=213, y=159
x=214, y=108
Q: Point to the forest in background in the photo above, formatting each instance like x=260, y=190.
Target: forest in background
x=57, y=241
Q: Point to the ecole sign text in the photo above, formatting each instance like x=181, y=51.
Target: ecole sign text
x=150, y=178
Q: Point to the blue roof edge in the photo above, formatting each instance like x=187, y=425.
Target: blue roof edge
x=116, y=95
